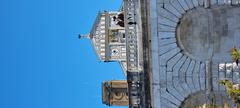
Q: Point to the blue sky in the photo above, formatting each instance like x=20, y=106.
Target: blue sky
x=42, y=63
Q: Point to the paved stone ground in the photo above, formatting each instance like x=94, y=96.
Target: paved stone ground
x=190, y=49
x=206, y=33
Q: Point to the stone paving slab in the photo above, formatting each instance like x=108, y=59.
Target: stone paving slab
x=178, y=87
x=163, y=42
x=173, y=10
x=186, y=88
x=203, y=83
x=173, y=61
x=236, y=77
x=178, y=66
x=160, y=3
x=200, y=2
x=191, y=84
x=190, y=69
x=221, y=76
x=168, y=14
x=235, y=2
x=221, y=2
x=169, y=79
x=166, y=56
x=176, y=4
x=215, y=83
x=184, y=5
x=156, y=92
x=196, y=83
x=190, y=4
x=182, y=72
x=166, y=29
x=175, y=93
x=215, y=69
x=202, y=70
x=167, y=104
x=196, y=72
x=167, y=48
x=165, y=35
x=170, y=98
x=166, y=21
x=195, y=3
x=162, y=75
x=213, y=2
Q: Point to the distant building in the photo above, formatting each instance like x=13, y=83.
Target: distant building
x=173, y=52
x=115, y=93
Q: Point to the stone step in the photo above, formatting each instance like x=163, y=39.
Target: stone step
x=175, y=93
x=201, y=2
x=165, y=28
x=191, y=66
x=215, y=83
x=173, y=10
x=167, y=56
x=178, y=66
x=235, y=2
x=163, y=42
x=203, y=83
x=183, y=70
x=166, y=21
x=202, y=73
x=160, y=3
x=221, y=2
x=162, y=76
x=195, y=3
x=183, y=3
x=167, y=104
x=167, y=48
x=168, y=14
x=196, y=73
x=170, y=98
x=165, y=35
x=173, y=61
x=213, y=2
x=178, y=87
x=177, y=6
x=189, y=3
x=191, y=84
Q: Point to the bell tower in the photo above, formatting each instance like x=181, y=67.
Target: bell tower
x=114, y=93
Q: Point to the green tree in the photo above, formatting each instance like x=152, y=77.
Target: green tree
x=232, y=90
x=235, y=54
